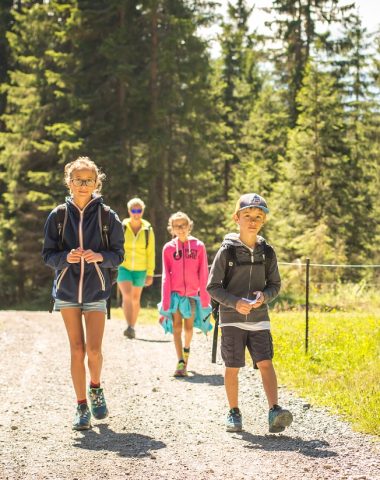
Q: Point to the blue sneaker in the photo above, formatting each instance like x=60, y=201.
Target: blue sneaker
x=82, y=420
x=234, y=421
x=279, y=418
x=98, y=403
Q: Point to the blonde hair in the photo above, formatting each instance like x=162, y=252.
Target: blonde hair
x=84, y=163
x=178, y=216
x=135, y=201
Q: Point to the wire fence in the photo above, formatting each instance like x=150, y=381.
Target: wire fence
x=307, y=282
x=308, y=265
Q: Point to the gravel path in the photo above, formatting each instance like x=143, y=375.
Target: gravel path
x=159, y=427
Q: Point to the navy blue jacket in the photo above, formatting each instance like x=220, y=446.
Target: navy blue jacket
x=82, y=282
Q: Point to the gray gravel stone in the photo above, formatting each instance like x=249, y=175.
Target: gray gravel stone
x=160, y=428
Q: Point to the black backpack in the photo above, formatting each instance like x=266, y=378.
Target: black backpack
x=231, y=263
x=104, y=218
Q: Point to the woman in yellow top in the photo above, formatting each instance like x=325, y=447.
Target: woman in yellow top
x=139, y=261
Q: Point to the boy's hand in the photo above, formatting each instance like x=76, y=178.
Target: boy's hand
x=259, y=300
x=148, y=281
x=243, y=306
x=92, y=257
x=75, y=255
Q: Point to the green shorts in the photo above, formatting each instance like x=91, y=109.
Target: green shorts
x=137, y=277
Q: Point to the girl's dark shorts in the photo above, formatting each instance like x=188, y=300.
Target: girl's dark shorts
x=234, y=341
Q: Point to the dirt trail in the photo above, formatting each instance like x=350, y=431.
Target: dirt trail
x=159, y=427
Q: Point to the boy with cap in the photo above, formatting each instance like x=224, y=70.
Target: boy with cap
x=253, y=281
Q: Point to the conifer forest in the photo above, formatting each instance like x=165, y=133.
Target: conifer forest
x=292, y=115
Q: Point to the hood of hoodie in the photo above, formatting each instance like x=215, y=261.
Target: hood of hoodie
x=145, y=224
x=91, y=205
x=177, y=244
x=233, y=239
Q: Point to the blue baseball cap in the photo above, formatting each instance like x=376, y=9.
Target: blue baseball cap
x=252, y=200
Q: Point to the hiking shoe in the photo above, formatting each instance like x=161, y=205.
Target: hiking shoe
x=98, y=403
x=130, y=332
x=279, y=418
x=186, y=357
x=181, y=369
x=234, y=421
x=82, y=420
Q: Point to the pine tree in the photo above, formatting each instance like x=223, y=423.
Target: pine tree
x=142, y=74
x=5, y=23
x=36, y=134
x=299, y=25
x=240, y=84
x=266, y=134
x=317, y=189
x=180, y=112
x=360, y=107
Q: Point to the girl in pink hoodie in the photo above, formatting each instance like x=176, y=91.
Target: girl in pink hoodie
x=184, y=295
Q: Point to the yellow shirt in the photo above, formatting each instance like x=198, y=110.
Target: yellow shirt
x=137, y=255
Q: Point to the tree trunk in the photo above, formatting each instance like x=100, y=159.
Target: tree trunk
x=156, y=165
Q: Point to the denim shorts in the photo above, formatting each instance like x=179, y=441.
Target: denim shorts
x=100, y=306
x=136, y=277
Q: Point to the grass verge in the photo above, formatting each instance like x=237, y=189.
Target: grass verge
x=342, y=367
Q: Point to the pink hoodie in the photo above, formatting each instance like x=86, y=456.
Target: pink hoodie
x=184, y=270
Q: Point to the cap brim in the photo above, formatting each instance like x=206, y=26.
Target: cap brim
x=264, y=209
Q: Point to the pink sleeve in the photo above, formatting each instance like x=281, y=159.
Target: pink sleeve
x=166, y=281
x=203, y=276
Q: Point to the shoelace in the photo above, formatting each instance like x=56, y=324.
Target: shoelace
x=98, y=399
x=83, y=413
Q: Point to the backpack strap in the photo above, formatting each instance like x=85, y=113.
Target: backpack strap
x=60, y=221
x=231, y=261
x=104, y=217
x=268, y=255
x=147, y=233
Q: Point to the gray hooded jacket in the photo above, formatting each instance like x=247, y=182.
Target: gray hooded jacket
x=244, y=281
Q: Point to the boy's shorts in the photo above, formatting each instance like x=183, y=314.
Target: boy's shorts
x=100, y=306
x=137, y=277
x=234, y=341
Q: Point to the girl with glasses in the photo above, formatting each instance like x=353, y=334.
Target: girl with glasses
x=136, y=271
x=185, y=302
x=82, y=263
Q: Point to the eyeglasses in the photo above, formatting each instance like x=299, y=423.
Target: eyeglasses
x=78, y=182
x=181, y=226
x=136, y=210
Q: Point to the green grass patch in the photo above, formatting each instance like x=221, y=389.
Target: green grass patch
x=342, y=368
